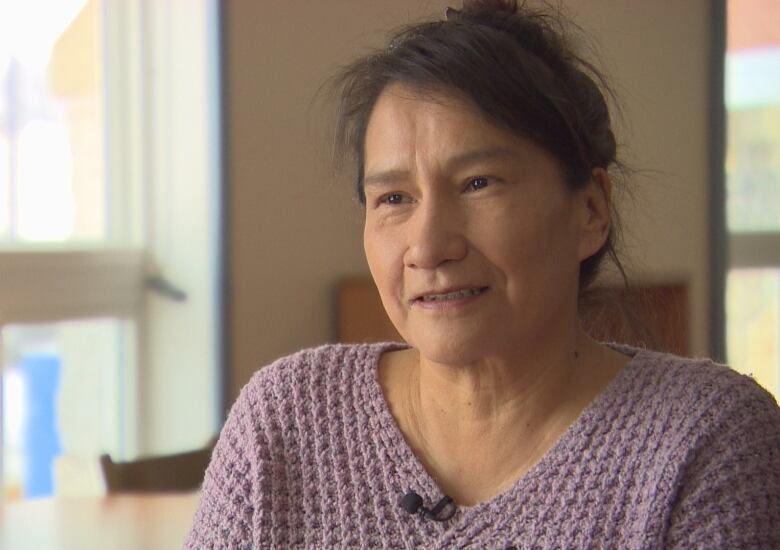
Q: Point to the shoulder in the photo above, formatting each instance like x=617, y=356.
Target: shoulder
x=297, y=392
x=717, y=435
x=303, y=362
x=697, y=405
x=699, y=383
x=312, y=373
x=704, y=442
x=319, y=361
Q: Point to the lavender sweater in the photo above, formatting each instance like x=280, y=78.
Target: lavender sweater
x=675, y=453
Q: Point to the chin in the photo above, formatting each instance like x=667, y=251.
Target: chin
x=452, y=342
x=450, y=350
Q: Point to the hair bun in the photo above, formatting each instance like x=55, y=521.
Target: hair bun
x=508, y=6
x=482, y=6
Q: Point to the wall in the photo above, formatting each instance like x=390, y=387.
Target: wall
x=293, y=231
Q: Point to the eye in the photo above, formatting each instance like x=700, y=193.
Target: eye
x=392, y=198
x=475, y=184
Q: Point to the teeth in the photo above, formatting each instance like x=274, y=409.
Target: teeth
x=459, y=294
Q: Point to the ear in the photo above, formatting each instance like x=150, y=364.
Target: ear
x=595, y=219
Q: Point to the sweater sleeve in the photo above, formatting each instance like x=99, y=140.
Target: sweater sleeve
x=225, y=512
x=729, y=493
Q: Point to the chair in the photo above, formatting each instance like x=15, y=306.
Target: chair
x=166, y=473
x=649, y=315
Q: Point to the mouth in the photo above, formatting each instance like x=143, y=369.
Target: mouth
x=450, y=296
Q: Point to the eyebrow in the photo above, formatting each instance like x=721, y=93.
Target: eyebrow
x=455, y=162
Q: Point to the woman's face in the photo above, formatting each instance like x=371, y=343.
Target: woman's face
x=472, y=237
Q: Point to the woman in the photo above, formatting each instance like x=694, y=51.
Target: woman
x=483, y=150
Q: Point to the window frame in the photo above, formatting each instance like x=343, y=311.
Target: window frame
x=729, y=250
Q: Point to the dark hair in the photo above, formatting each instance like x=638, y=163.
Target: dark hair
x=516, y=66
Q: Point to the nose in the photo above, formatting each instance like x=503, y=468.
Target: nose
x=436, y=235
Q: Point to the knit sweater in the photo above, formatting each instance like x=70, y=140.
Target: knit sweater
x=674, y=453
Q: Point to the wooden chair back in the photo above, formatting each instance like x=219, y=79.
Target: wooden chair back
x=649, y=315
x=167, y=473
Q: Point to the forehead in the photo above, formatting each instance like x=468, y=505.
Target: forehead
x=404, y=116
x=408, y=126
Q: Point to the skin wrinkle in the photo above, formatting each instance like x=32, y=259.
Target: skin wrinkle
x=390, y=176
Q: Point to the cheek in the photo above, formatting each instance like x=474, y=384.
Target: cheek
x=535, y=248
x=383, y=256
x=510, y=237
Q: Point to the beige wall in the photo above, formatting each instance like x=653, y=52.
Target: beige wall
x=293, y=232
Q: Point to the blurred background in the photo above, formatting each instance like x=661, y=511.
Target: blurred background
x=170, y=221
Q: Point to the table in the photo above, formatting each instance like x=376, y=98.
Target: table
x=121, y=522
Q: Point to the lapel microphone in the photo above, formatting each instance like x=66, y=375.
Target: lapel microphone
x=441, y=511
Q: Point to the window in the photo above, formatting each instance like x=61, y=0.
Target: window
x=752, y=167
x=109, y=235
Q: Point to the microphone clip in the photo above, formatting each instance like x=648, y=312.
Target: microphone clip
x=441, y=511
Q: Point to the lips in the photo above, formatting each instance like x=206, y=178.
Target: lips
x=450, y=295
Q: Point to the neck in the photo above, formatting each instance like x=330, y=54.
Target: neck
x=477, y=428
x=521, y=386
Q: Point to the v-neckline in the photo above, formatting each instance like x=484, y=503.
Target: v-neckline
x=411, y=473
